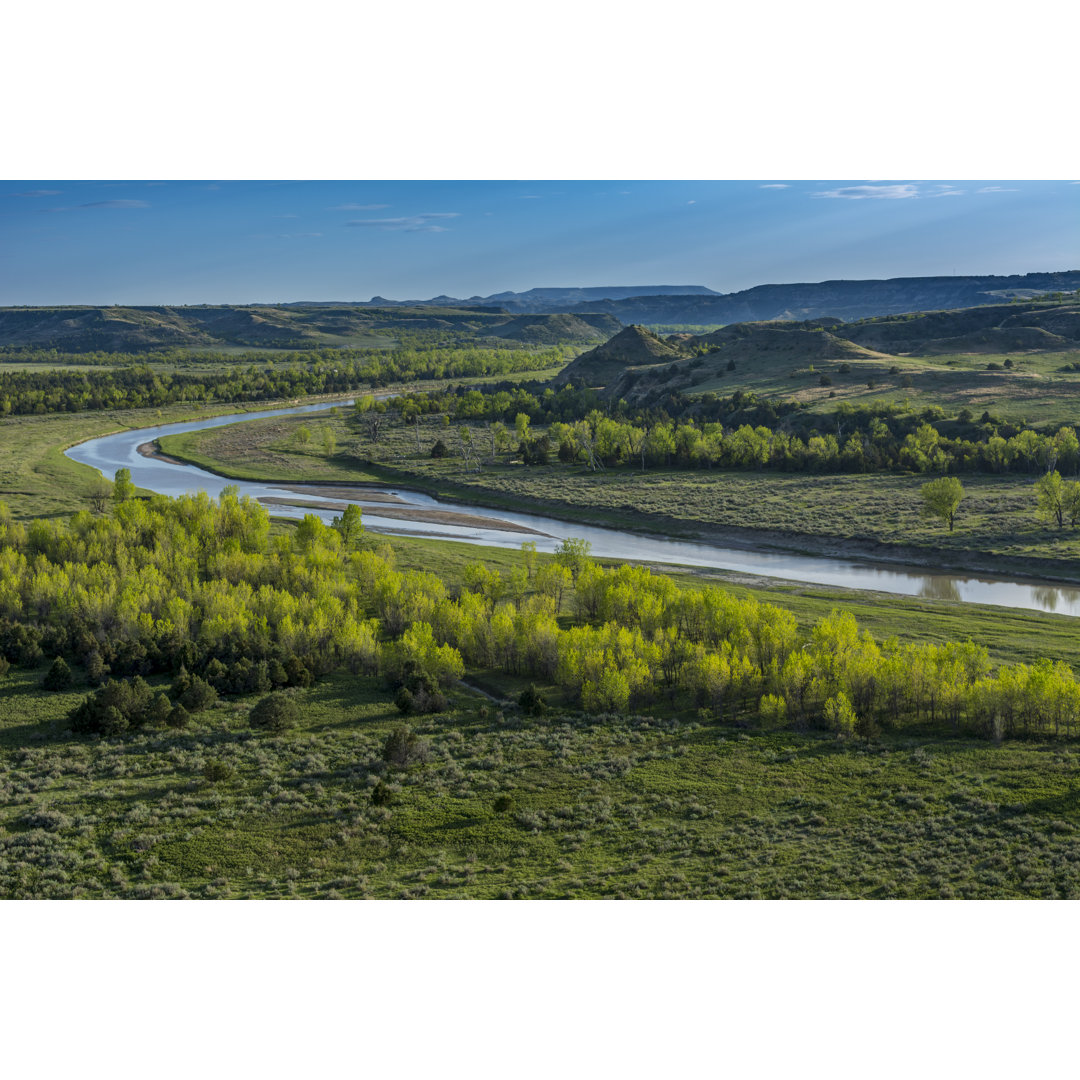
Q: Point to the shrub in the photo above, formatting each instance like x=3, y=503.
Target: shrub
x=58, y=677
x=115, y=707
x=96, y=671
x=5, y=666
x=276, y=712
x=825, y=380
x=403, y=746
x=404, y=701
x=503, y=804
x=218, y=771
x=298, y=672
x=381, y=795
x=199, y=695
x=531, y=701
x=158, y=712
x=178, y=717
x=439, y=450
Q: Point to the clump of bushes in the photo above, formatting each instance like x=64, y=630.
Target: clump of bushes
x=439, y=450
x=418, y=693
x=194, y=693
x=116, y=707
x=532, y=702
x=276, y=712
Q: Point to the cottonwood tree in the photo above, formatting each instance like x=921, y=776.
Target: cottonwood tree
x=123, y=488
x=350, y=525
x=1058, y=499
x=941, y=497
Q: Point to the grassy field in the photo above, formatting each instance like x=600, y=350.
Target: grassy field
x=1033, y=389
x=609, y=806
x=877, y=515
x=666, y=806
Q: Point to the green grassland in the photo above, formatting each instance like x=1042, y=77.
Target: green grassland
x=672, y=805
x=878, y=515
x=1035, y=389
x=604, y=806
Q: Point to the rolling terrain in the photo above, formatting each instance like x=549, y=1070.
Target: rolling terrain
x=226, y=327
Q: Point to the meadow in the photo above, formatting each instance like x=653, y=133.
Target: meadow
x=500, y=805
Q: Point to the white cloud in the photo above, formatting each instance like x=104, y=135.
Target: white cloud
x=994, y=189
x=691, y=202
x=766, y=186
x=362, y=206
x=870, y=191
x=417, y=223
x=297, y=235
x=32, y=194
x=530, y=196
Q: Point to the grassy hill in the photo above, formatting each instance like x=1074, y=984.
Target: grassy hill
x=1016, y=359
x=135, y=329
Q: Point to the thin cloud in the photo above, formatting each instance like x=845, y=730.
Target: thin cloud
x=691, y=202
x=32, y=194
x=993, y=189
x=870, y=191
x=766, y=186
x=944, y=189
x=360, y=206
x=297, y=235
x=530, y=196
x=418, y=223
x=105, y=204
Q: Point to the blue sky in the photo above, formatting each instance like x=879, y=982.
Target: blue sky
x=140, y=242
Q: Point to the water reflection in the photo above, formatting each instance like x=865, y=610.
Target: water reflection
x=940, y=588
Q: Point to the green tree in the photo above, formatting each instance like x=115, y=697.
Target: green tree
x=573, y=553
x=123, y=488
x=329, y=442
x=58, y=677
x=941, y=497
x=349, y=524
x=1055, y=498
x=276, y=712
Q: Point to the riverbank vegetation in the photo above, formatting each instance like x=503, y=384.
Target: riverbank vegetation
x=998, y=525
x=190, y=587
x=31, y=392
x=682, y=740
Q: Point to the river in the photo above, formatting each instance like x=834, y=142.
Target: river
x=502, y=528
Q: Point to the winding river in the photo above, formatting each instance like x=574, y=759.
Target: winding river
x=397, y=511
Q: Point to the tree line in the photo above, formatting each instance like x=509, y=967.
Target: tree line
x=140, y=386
x=575, y=426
